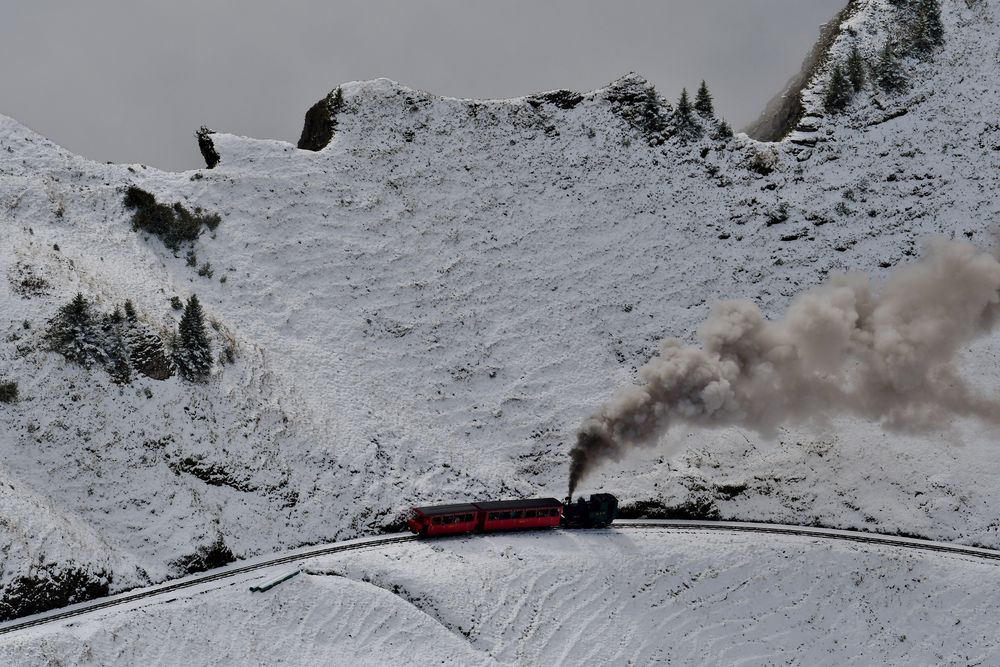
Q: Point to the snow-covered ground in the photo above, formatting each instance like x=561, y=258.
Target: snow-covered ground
x=566, y=598
x=428, y=308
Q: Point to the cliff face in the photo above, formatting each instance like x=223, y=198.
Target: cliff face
x=321, y=122
x=425, y=305
x=784, y=112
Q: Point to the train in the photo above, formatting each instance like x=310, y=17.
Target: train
x=600, y=509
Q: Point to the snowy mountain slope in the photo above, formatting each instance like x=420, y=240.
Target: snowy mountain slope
x=583, y=597
x=427, y=308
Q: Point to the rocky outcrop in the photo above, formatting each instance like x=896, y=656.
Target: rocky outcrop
x=321, y=122
x=207, y=147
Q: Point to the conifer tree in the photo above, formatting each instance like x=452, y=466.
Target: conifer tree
x=703, y=102
x=115, y=346
x=684, y=105
x=146, y=350
x=653, y=122
x=723, y=130
x=889, y=72
x=73, y=333
x=687, y=126
x=927, y=31
x=856, y=69
x=931, y=9
x=193, y=353
x=838, y=91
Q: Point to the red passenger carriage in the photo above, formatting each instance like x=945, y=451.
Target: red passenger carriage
x=485, y=517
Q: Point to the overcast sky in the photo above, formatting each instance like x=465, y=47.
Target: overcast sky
x=130, y=81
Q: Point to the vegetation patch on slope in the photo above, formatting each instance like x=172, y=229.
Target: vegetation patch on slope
x=51, y=588
x=173, y=224
x=206, y=557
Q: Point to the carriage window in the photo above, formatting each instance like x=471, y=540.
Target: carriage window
x=515, y=515
x=529, y=514
x=466, y=517
x=436, y=520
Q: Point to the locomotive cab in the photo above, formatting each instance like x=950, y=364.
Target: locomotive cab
x=598, y=510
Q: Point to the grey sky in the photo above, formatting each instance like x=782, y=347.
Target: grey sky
x=130, y=81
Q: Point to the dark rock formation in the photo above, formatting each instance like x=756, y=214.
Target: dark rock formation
x=321, y=122
x=207, y=147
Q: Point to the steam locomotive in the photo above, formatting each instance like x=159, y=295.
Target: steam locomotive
x=503, y=515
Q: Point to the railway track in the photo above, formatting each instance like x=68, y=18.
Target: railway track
x=188, y=582
x=379, y=542
x=878, y=539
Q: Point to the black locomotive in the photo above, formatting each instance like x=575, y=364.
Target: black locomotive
x=594, y=512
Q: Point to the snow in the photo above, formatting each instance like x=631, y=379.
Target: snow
x=565, y=598
x=427, y=309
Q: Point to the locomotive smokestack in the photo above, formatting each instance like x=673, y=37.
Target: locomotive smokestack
x=882, y=352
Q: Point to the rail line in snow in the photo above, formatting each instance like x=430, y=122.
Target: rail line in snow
x=298, y=555
x=878, y=539
x=214, y=575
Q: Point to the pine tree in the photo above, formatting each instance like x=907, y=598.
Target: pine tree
x=653, y=123
x=193, y=353
x=703, y=102
x=684, y=106
x=684, y=121
x=889, y=72
x=723, y=130
x=856, y=69
x=838, y=91
x=74, y=333
x=130, y=314
x=935, y=28
x=927, y=30
x=115, y=346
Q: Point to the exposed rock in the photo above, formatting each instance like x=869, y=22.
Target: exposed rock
x=207, y=147
x=321, y=122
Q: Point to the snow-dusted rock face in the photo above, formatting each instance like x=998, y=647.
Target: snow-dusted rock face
x=426, y=308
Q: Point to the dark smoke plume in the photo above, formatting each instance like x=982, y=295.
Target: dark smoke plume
x=882, y=352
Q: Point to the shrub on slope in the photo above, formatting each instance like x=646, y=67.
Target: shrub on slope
x=173, y=224
x=50, y=588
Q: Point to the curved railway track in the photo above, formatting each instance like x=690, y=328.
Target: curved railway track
x=188, y=582
x=379, y=542
x=879, y=539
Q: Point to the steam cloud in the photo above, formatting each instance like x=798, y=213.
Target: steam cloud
x=881, y=352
